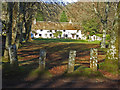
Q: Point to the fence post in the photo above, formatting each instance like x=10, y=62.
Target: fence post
x=13, y=55
x=71, y=61
x=42, y=59
x=93, y=59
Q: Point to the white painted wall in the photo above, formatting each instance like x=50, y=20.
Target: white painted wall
x=94, y=37
x=46, y=34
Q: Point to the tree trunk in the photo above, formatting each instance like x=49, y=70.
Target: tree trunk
x=30, y=39
x=17, y=42
x=15, y=21
x=9, y=29
x=21, y=33
x=19, y=26
x=119, y=36
x=105, y=25
x=112, y=53
x=28, y=30
x=6, y=46
x=104, y=37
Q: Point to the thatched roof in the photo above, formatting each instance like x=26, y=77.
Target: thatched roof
x=55, y=26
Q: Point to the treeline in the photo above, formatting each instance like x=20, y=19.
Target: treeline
x=49, y=12
x=17, y=18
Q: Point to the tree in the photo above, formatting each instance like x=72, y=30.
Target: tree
x=57, y=33
x=111, y=61
x=8, y=28
x=104, y=12
x=29, y=13
x=118, y=36
x=50, y=11
x=14, y=17
x=63, y=17
x=103, y=19
x=92, y=26
x=39, y=16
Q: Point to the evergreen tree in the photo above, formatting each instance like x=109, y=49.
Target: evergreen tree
x=92, y=26
x=63, y=17
x=40, y=16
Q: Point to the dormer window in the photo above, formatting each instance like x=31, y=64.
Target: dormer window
x=41, y=30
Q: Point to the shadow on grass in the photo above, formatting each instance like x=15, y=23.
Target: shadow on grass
x=28, y=76
x=56, y=55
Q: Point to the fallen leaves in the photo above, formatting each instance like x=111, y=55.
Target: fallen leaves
x=108, y=74
x=56, y=53
x=58, y=70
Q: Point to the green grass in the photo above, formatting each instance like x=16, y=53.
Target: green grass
x=36, y=73
x=101, y=35
x=9, y=71
x=48, y=40
x=84, y=71
x=24, y=72
x=109, y=67
x=4, y=59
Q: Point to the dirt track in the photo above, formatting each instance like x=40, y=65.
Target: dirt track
x=80, y=82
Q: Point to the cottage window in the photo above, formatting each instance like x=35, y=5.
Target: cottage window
x=59, y=35
x=50, y=34
x=35, y=34
x=55, y=30
x=41, y=30
x=77, y=35
x=40, y=35
x=63, y=30
x=66, y=35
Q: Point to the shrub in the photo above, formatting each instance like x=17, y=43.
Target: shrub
x=101, y=35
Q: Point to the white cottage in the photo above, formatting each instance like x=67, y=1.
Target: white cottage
x=47, y=30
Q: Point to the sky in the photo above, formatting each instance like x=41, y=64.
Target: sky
x=69, y=1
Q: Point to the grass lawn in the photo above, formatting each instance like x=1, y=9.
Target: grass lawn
x=48, y=40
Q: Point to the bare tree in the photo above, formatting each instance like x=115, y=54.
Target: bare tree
x=113, y=50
